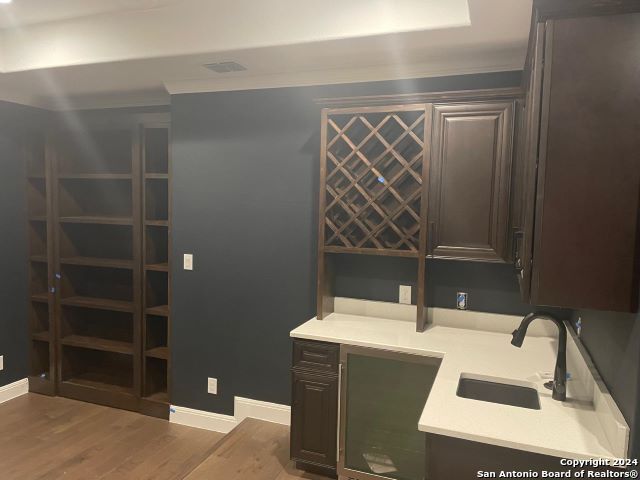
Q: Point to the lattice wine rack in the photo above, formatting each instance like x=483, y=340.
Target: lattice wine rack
x=373, y=182
x=373, y=173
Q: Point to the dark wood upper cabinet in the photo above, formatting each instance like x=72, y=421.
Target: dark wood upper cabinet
x=580, y=245
x=418, y=175
x=471, y=180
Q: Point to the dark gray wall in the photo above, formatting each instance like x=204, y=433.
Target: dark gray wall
x=613, y=341
x=13, y=250
x=491, y=287
x=245, y=181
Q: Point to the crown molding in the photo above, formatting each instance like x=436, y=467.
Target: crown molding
x=509, y=93
x=29, y=100
x=113, y=100
x=232, y=82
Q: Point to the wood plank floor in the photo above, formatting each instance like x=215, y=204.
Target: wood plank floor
x=254, y=450
x=44, y=438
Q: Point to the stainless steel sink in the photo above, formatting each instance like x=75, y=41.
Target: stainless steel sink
x=486, y=391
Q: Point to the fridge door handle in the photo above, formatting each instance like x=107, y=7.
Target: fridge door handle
x=339, y=449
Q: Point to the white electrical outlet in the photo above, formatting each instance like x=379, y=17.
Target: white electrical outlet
x=1, y=362
x=212, y=386
x=462, y=300
x=188, y=261
x=405, y=294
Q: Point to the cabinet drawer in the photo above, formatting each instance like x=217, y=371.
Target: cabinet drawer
x=316, y=356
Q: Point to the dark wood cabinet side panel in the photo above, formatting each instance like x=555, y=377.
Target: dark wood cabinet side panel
x=587, y=208
x=524, y=253
x=516, y=215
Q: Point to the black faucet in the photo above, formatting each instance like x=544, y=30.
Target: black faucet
x=559, y=384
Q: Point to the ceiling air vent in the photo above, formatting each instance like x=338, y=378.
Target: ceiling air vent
x=225, y=67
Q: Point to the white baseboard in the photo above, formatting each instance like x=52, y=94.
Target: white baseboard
x=270, y=412
x=14, y=390
x=243, y=408
x=215, y=422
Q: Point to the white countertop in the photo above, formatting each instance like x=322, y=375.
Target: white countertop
x=570, y=429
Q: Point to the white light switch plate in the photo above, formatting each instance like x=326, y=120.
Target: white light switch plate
x=212, y=386
x=405, y=294
x=188, y=261
x=1, y=362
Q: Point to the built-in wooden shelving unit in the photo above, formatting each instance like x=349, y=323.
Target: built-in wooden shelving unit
x=98, y=225
x=97, y=205
x=41, y=300
x=156, y=272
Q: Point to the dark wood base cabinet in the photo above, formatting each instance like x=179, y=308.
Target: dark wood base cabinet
x=314, y=411
x=451, y=458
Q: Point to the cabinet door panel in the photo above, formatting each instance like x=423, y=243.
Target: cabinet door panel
x=314, y=418
x=471, y=178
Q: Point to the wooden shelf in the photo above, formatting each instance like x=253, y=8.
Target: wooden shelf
x=156, y=176
x=39, y=258
x=157, y=223
x=41, y=336
x=95, y=176
x=99, y=303
x=98, y=385
x=95, y=343
x=98, y=262
x=40, y=297
x=158, y=267
x=42, y=385
x=372, y=251
x=158, y=352
x=159, y=311
x=98, y=220
x=160, y=397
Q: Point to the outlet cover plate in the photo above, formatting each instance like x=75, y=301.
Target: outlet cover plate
x=212, y=386
x=405, y=294
x=462, y=299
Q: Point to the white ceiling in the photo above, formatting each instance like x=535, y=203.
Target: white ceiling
x=116, y=57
